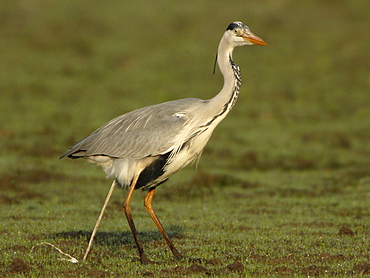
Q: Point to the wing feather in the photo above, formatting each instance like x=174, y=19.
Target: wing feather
x=148, y=131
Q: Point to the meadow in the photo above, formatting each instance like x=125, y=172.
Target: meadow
x=283, y=186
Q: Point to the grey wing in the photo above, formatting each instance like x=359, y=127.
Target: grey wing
x=144, y=132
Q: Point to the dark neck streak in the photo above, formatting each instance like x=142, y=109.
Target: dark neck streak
x=234, y=94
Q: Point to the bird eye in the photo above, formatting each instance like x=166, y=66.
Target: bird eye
x=236, y=31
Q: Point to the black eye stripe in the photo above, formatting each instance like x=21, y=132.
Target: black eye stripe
x=232, y=26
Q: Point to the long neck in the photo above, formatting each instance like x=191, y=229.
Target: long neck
x=223, y=102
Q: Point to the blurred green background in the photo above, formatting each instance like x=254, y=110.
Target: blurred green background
x=290, y=160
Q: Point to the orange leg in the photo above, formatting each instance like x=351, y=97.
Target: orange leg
x=149, y=209
x=127, y=210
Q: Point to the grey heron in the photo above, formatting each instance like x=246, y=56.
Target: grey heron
x=143, y=148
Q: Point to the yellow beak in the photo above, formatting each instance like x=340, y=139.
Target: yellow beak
x=254, y=39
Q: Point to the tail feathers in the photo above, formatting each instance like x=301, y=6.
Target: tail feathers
x=74, y=153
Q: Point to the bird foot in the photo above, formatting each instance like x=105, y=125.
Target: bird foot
x=178, y=256
x=144, y=260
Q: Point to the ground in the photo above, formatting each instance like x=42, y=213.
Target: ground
x=283, y=186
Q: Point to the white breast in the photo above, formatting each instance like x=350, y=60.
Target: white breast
x=189, y=152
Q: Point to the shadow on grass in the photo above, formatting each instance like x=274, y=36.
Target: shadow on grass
x=119, y=238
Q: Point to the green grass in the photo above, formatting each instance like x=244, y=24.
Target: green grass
x=282, y=188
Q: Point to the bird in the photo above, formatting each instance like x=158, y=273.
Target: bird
x=143, y=148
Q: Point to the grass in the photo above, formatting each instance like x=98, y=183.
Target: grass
x=283, y=186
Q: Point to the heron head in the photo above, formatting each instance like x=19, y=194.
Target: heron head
x=239, y=34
